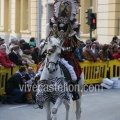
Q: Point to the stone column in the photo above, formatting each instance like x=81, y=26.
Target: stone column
x=113, y=18
x=107, y=20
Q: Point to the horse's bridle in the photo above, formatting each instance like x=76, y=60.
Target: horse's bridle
x=47, y=64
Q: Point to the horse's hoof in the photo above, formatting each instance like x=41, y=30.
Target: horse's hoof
x=54, y=110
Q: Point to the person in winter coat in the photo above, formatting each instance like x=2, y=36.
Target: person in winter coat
x=88, y=54
x=27, y=57
x=2, y=42
x=117, y=55
x=78, y=52
x=103, y=54
x=32, y=42
x=13, y=85
x=4, y=58
x=115, y=40
x=15, y=57
x=35, y=55
x=14, y=41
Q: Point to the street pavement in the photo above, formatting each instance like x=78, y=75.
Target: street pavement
x=99, y=105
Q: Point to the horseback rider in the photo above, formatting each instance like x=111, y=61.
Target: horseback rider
x=65, y=28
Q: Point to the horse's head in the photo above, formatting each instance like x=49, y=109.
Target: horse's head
x=53, y=54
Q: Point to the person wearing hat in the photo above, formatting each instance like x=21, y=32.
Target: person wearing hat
x=14, y=41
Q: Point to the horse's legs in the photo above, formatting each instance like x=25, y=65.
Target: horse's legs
x=56, y=106
x=78, y=102
x=67, y=106
x=78, y=109
x=48, y=110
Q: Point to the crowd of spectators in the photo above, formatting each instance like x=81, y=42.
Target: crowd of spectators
x=18, y=52
x=91, y=50
x=24, y=54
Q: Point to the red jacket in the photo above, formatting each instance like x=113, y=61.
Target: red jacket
x=5, y=61
x=116, y=56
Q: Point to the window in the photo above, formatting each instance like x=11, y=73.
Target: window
x=1, y=14
x=5, y=15
x=24, y=15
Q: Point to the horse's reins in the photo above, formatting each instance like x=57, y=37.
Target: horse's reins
x=47, y=64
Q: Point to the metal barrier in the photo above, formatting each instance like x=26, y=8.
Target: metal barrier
x=94, y=72
x=114, y=68
x=15, y=69
x=5, y=73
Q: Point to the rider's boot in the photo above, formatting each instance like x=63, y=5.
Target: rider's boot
x=75, y=95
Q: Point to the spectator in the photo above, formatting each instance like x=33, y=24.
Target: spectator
x=114, y=48
x=35, y=55
x=30, y=80
x=32, y=42
x=24, y=45
x=78, y=52
x=30, y=75
x=110, y=52
x=114, y=40
x=14, y=41
x=27, y=57
x=117, y=55
x=4, y=58
x=93, y=40
x=88, y=44
x=98, y=46
x=2, y=42
x=88, y=54
x=13, y=85
x=15, y=57
x=119, y=41
x=94, y=50
x=32, y=48
x=103, y=54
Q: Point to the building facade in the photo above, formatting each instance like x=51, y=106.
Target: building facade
x=108, y=18
x=18, y=18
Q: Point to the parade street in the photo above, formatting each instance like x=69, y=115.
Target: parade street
x=101, y=105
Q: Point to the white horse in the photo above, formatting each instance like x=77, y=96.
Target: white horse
x=53, y=71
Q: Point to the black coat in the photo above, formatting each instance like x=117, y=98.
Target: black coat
x=35, y=57
x=17, y=59
x=14, y=82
